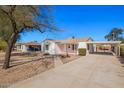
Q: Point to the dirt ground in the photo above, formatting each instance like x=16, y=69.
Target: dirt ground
x=21, y=68
x=70, y=58
x=24, y=66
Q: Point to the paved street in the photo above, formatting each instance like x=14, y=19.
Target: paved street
x=88, y=71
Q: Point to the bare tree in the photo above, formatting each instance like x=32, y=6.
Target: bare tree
x=20, y=19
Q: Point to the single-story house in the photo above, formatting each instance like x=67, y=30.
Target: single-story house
x=27, y=47
x=70, y=45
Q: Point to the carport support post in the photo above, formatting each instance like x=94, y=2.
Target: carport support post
x=117, y=50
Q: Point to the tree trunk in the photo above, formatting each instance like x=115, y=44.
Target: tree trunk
x=66, y=50
x=9, y=50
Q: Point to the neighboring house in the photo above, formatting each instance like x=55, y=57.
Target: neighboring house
x=29, y=46
x=69, y=46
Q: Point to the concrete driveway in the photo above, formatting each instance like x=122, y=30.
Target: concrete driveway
x=90, y=71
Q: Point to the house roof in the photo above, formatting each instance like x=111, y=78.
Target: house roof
x=29, y=43
x=71, y=40
x=105, y=42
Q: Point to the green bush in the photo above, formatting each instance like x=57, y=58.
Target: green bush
x=82, y=51
x=122, y=51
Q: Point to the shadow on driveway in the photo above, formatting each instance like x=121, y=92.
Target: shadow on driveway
x=121, y=60
x=102, y=53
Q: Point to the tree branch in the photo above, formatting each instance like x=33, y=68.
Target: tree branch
x=10, y=16
x=12, y=8
x=4, y=11
x=34, y=10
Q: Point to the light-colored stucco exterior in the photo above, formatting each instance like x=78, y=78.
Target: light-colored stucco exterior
x=62, y=47
x=53, y=48
x=29, y=46
x=22, y=48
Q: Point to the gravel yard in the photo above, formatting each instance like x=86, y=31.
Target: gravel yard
x=69, y=59
x=22, y=68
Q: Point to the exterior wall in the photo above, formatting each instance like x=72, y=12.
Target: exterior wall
x=58, y=48
x=27, y=48
x=19, y=47
x=71, y=48
x=62, y=47
x=43, y=46
x=53, y=48
x=22, y=48
x=82, y=45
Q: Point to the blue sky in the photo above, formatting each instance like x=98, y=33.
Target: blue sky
x=82, y=21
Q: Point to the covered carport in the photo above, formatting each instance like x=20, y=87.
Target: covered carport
x=114, y=46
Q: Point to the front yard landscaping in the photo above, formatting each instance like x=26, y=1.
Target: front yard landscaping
x=122, y=51
x=26, y=65
x=69, y=58
x=82, y=51
x=121, y=58
x=23, y=67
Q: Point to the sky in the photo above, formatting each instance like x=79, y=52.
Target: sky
x=80, y=22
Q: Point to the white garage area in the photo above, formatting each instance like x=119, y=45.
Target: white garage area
x=114, y=46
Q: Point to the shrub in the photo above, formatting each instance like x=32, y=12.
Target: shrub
x=64, y=56
x=122, y=51
x=82, y=51
x=46, y=54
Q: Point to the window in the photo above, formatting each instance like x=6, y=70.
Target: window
x=47, y=47
x=68, y=45
x=19, y=46
x=73, y=48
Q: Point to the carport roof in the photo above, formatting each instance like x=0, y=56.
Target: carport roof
x=104, y=42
